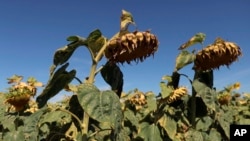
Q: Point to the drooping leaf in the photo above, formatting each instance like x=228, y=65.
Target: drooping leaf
x=63, y=54
x=149, y=132
x=56, y=83
x=112, y=75
x=95, y=41
x=183, y=59
x=103, y=106
x=126, y=19
x=165, y=90
x=197, y=38
x=169, y=125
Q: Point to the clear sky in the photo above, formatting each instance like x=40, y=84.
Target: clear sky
x=31, y=31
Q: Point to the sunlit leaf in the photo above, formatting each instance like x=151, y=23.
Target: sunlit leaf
x=103, y=106
x=15, y=79
x=169, y=125
x=95, y=41
x=197, y=38
x=151, y=101
x=183, y=59
x=167, y=77
x=165, y=90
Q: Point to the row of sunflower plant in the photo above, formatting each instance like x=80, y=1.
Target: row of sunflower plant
x=175, y=114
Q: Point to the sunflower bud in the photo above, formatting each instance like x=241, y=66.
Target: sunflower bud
x=135, y=46
x=217, y=54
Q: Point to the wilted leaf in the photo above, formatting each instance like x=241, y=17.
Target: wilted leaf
x=57, y=82
x=15, y=79
x=169, y=125
x=149, y=132
x=126, y=19
x=63, y=54
x=183, y=59
x=112, y=75
x=167, y=77
x=103, y=106
x=197, y=38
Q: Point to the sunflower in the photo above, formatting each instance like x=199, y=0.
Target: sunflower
x=217, y=54
x=135, y=46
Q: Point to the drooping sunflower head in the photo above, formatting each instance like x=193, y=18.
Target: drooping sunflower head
x=217, y=54
x=135, y=46
x=177, y=94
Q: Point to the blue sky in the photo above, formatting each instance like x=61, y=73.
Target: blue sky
x=31, y=31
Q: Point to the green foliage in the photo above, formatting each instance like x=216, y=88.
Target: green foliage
x=183, y=59
x=90, y=114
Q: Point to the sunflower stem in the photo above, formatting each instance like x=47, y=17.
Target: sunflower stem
x=91, y=79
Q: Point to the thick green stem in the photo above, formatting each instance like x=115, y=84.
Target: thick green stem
x=193, y=107
x=91, y=79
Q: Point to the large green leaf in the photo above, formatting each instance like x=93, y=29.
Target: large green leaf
x=183, y=59
x=151, y=101
x=112, y=74
x=214, y=135
x=17, y=135
x=31, y=124
x=103, y=106
x=165, y=90
x=169, y=125
x=204, y=123
x=193, y=135
x=225, y=119
x=149, y=132
x=130, y=116
x=207, y=94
